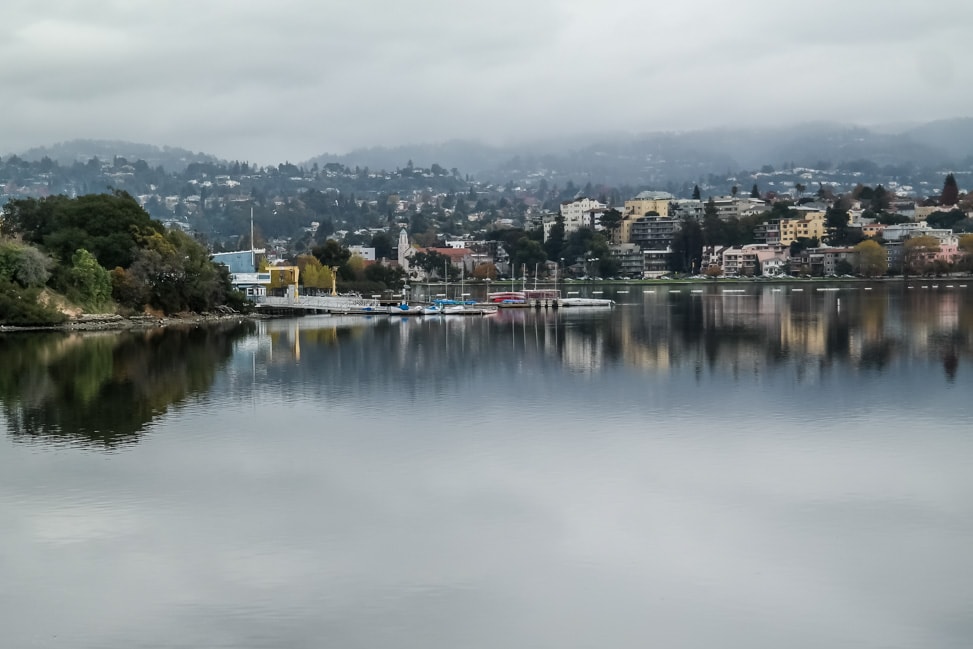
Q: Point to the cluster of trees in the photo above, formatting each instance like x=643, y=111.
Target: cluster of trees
x=100, y=250
x=332, y=266
x=528, y=250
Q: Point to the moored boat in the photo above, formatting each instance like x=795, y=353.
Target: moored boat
x=405, y=309
x=470, y=309
x=586, y=301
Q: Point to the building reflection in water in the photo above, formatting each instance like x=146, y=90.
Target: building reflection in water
x=719, y=331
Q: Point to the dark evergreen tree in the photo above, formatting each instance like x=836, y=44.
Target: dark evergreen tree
x=754, y=192
x=836, y=220
x=687, y=247
x=950, y=194
x=696, y=193
x=555, y=239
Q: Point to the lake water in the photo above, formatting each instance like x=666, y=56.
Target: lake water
x=753, y=466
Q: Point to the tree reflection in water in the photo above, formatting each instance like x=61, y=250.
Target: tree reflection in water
x=102, y=389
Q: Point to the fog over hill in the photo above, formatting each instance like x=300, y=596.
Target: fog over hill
x=680, y=156
x=172, y=159
x=619, y=158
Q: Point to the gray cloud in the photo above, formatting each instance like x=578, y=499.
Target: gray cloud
x=291, y=79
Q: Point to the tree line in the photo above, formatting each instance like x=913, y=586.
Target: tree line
x=101, y=252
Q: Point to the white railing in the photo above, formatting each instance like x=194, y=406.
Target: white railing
x=321, y=302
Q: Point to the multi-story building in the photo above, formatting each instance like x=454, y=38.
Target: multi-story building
x=653, y=232
x=646, y=202
x=643, y=204
x=655, y=262
x=631, y=261
x=740, y=262
x=686, y=208
x=873, y=229
x=824, y=261
x=902, y=231
x=768, y=233
x=578, y=213
x=808, y=226
x=754, y=259
x=734, y=207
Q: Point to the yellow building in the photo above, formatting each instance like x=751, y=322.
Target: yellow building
x=809, y=226
x=638, y=207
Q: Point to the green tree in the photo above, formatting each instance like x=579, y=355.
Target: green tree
x=555, y=239
x=528, y=252
x=881, y=199
x=872, y=258
x=393, y=278
x=178, y=275
x=23, y=306
x=966, y=247
x=434, y=263
x=25, y=265
x=687, y=247
x=801, y=244
x=383, y=243
x=611, y=221
x=950, y=195
x=312, y=272
x=332, y=254
x=945, y=220
x=754, y=192
x=87, y=282
x=696, y=192
x=713, y=231
x=836, y=221
x=110, y=226
x=127, y=289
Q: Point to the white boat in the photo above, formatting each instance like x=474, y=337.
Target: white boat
x=586, y=301
x=405, y=309
x=432, y=309
x=470, y=309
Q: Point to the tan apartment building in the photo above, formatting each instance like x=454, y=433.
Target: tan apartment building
x=636, y=208
x=810, y=225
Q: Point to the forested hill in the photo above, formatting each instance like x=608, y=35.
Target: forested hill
x=676, y=157
x=172, y=159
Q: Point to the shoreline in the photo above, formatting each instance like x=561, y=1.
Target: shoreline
x=115, y=322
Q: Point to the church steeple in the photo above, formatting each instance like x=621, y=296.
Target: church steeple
x=403, y=249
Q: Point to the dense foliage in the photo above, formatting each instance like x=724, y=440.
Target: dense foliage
x=101, y=247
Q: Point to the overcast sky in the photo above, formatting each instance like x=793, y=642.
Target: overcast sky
x=290, y=79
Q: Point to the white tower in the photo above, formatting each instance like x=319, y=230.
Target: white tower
x=404, y=249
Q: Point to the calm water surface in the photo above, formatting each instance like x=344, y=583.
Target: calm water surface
x=772, y=468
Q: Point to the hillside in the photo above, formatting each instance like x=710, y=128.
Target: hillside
x=173, y=159
x=658, y=158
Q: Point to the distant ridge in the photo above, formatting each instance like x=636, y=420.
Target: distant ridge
x=613, y=158
x=660, y=157
x=954, y=136
x=172, y=159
